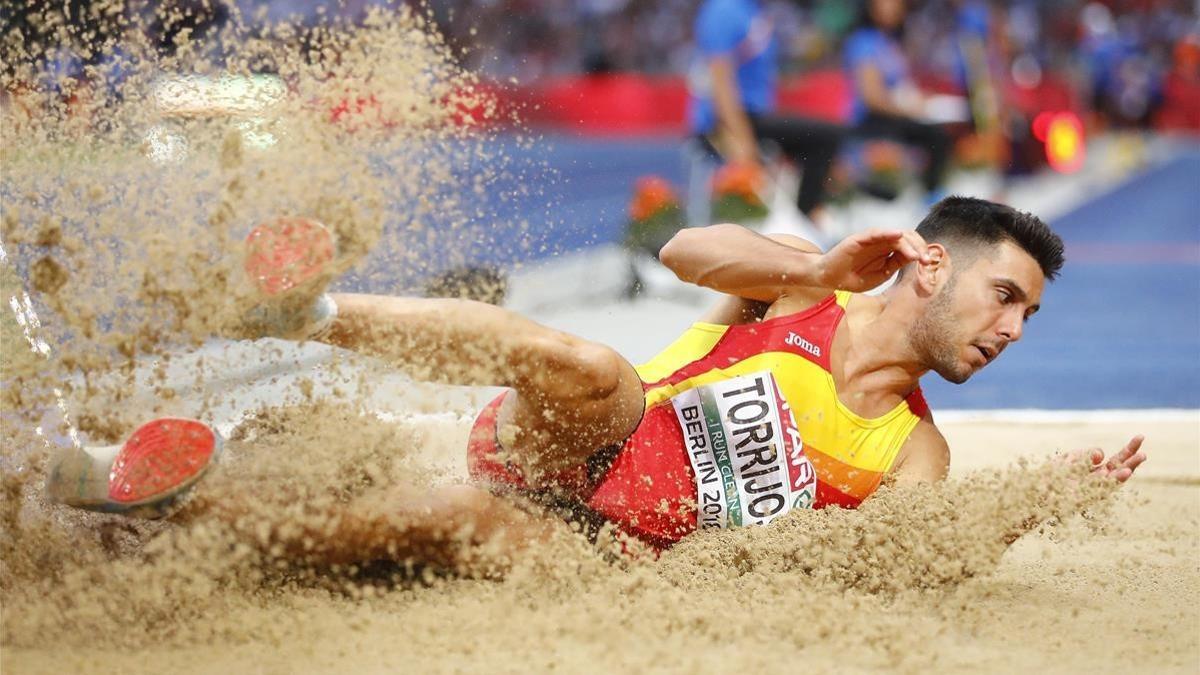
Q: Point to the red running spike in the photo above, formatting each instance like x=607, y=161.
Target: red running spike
x=160, y=457
x=286, y=252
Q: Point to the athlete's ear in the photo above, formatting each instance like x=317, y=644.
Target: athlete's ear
x=935, y=271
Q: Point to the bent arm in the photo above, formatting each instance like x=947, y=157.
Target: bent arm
x=926, y=457
x=927, y=460
x=740, y=262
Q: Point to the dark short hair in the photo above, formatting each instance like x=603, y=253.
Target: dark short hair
x=960, y=222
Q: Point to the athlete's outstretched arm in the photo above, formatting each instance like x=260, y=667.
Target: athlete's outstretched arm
x=1119, y=466
x=735, y=260
x=928, y=461
x=925, y=457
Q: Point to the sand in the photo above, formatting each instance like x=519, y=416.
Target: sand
x=129, y=248
x=1115, y=593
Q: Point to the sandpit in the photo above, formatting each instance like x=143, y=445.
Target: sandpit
x=1117, y=592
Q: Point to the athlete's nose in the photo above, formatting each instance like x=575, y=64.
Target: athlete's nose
x=1012, y=326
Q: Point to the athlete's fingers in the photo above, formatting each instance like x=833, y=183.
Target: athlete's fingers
x=1124, y=454
x=909, y=245
x=1121, y=475
x=917, y=239
x=1136, y=461
x=905, y=244
x=1132, y=447
x=917, y=242
x=874, y=237
x=877, y=235
x=895, y=261
x=905, y=248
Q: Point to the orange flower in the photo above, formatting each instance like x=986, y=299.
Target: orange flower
x=741, y=179
x=651, y=194
x=883, y=156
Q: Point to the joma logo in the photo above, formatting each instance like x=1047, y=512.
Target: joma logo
x=797, y=341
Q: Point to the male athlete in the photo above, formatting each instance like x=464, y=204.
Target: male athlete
x=797, y=392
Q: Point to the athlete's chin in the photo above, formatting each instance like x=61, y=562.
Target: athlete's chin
x=956, y=374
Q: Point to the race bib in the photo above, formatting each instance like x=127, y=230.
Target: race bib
x=745, y=450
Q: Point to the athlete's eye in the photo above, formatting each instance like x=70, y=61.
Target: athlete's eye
x=1004, y=296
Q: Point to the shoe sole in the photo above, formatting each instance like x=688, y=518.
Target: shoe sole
x=286, y=253
x=159, y=462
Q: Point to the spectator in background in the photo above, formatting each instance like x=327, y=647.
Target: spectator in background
x=1126, y=83
x=1181, y=89
x=887, y=102
x=979, y=61
x=733, y=97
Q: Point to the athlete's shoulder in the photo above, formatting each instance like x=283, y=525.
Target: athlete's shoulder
x=804, y=298
x=797, y=301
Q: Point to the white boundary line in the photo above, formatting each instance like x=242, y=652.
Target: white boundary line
x=1038, y=416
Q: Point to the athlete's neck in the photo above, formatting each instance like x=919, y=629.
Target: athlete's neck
x=878, y=356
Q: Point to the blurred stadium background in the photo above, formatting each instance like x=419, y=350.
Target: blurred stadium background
x=1100, y=133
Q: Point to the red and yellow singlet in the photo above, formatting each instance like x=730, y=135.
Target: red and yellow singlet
x=742, y=424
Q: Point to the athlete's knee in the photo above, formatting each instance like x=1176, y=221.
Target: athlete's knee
x=602, y=368
x=576, y=369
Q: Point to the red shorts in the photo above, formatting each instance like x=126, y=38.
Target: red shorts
x=646, y=490
x=487, y=466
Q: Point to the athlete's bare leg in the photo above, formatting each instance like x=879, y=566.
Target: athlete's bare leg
x=455, y=527
x=572, y=396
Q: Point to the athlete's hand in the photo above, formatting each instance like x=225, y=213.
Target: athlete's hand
x=1120, y=466
x=863, y=261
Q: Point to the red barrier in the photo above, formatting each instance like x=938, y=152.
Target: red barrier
x=631, y=103
x=823, y=94
x=1051, y=93
x=1180, y=109
x=636, y=104
x=618, y=103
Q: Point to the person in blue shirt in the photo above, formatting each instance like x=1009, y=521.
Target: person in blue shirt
x=1126, y=82
x=733, y=83
x=886, y=102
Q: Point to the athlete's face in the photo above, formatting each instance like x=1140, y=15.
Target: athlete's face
x=978, y=312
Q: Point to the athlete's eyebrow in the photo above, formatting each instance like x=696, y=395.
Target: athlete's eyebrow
x=1018, y=293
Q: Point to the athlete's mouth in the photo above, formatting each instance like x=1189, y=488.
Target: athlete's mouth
x=987, y=352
